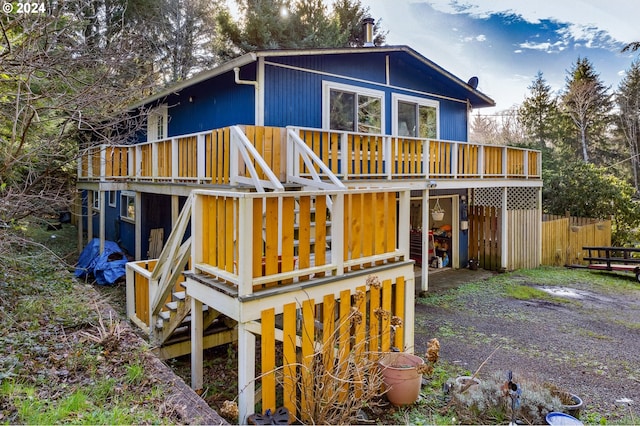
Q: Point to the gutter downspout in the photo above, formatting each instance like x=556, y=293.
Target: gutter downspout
x=259, y=118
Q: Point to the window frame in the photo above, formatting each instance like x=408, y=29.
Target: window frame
x=96, y=200
x=399, y=97
x=113, y=198
x=157, y=121
x=124, y=203
x=327, y=86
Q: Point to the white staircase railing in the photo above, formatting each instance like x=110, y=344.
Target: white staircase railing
x=241, y=145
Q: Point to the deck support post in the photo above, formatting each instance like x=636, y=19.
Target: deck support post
x=89, y=216
x=197, y=332
x=504, y=230
x=102, y=219
x=246, y=372
x=426, y=226
x=138, y=225
x=80, y=220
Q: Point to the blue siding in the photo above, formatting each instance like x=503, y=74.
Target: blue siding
x=294, y=97
x=215, y=103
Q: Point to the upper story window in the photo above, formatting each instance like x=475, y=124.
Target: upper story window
x=96, y=200
x=352, y=108
x=157, y=123
x=415, y=117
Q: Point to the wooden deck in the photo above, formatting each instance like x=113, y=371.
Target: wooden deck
x=250, y=154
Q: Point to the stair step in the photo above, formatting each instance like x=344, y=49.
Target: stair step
x=179, y=295
x=165, y=315
x=172, y=306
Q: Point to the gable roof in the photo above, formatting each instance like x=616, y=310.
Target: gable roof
x=459, y=88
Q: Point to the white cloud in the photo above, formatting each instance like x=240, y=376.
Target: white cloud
x=614, y=17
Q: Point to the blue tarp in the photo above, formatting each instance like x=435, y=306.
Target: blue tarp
x=104, y=270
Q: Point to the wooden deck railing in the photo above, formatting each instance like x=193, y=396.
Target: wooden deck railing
x=255, y=155
x=254, y=241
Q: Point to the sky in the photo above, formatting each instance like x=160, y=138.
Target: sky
x=505, y=43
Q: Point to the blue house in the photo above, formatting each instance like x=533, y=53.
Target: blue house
x=284, y=176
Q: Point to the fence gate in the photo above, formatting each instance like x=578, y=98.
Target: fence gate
x=484, y=236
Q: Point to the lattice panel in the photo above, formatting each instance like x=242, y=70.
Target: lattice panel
x=488, y=197
x=517, y=198
x=522, y=198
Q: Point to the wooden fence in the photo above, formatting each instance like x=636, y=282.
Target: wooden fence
x=564, y=236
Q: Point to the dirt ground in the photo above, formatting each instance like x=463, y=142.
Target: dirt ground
x=586, y=341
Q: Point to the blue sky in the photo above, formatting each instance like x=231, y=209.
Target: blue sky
x=506, y=42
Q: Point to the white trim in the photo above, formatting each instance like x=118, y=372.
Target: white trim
x=114, y=202
x=127, y=194
x=398, y=97
x=95, y=201
x=156, y=114
x=259, y=96
x=327, y=86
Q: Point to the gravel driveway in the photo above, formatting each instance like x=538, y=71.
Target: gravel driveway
x=585, y=337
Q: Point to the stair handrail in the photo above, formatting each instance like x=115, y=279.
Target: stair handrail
x=172, y=260
x=241, y=144
x=298, y=147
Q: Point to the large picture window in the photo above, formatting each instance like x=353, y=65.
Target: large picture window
x=415, y=117
x=352, y=108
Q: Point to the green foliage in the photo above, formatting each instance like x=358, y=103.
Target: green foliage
x=586, y=190
x=539, y=114
x=297, y=24
x=628, y=119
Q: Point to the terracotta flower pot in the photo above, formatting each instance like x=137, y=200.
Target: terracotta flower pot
x=401, y=378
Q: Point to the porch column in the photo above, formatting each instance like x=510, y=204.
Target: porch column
x=102, y=219
x=79, y=217
x=89, y=216
x=138, y=225
x=426, y=226
x=196, y=344
x=246, y=372
x=504, y=229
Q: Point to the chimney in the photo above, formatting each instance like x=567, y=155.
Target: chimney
x=367, y=23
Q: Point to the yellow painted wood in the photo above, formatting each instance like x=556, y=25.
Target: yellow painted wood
x=317, y=142
x=142, y=298
x=229, y=234
x=271, y=251
x=257, y=238
x=344, y=348
x=289, y=371
x=276, y=142
x=328, y=332
x=225, y=148
x=390, y=222
x=356, y=225
x=346, y=226
x=320, y=246
x=398, y=341
x=385, y=322
x=306, y=373
x=304, y=234
x=335, y=151
x=205, y=229
x=288, y=218
x=268, y=351
x=379, y=229
x=220, y=235
x=369, y=208
x=360, y=338
x=374, y=321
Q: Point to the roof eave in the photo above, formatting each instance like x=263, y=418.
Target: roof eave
x=198, y=78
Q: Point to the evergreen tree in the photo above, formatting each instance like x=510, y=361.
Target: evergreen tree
x=628, y=117
x=292, y=24
x=539, y=114
x=587, y=103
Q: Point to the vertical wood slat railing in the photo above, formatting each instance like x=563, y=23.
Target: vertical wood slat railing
x=248, y=154
x=255, y=241
x=351, y=155
x=357, y=326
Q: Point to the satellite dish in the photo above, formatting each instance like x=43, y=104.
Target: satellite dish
x=473, y=82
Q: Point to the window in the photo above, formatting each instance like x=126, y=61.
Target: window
x=96, y=200
x=112, y=198
x=128, y=205
x=352, y=108
x=157, y=123
x=415, y=117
